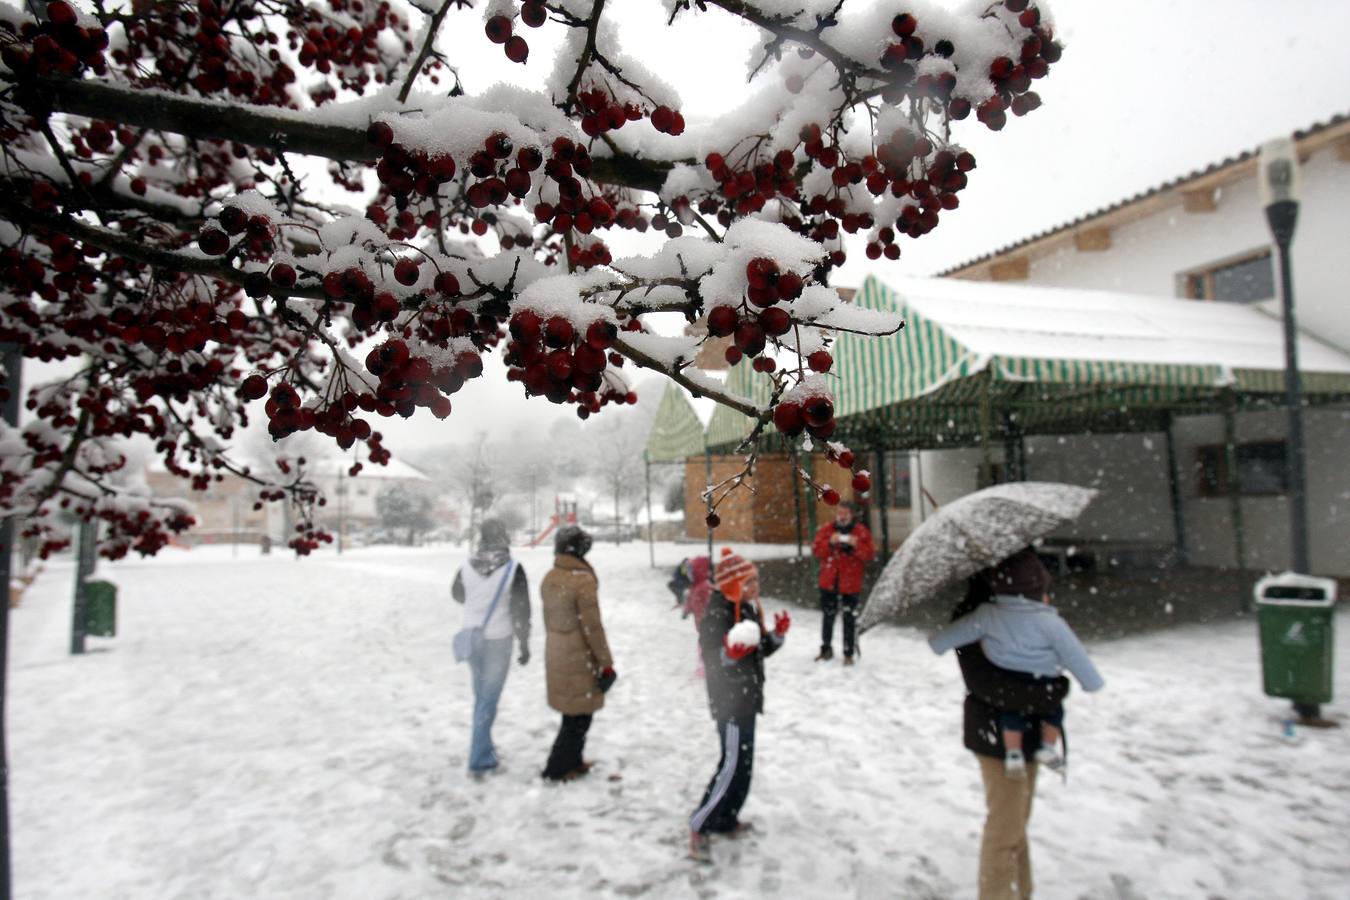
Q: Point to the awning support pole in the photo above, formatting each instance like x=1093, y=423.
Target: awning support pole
x=793, y=462
x=986, y=477
x=885, y=506
x=1174, y=488
x=1234, y=489
x=651, y=539
x=707, y=470
x=1014, y=449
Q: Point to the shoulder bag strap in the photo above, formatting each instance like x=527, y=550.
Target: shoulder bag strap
x=510, y=568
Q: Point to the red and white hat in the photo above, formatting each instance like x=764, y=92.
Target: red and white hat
x=733, y=571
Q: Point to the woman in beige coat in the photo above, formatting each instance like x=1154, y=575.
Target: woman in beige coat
x=577, y=663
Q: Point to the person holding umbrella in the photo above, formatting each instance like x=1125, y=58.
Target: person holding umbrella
x=1020, y=631
x=843, y=547
x=1005, y=849
x=967, y=539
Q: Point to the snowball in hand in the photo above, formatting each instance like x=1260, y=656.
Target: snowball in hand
x=744, y=634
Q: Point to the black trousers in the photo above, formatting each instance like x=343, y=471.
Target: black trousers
x=830, y=601
x=730, y=785
x=567, y=747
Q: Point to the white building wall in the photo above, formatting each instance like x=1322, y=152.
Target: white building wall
x=1147, y=256
x=1135, y=503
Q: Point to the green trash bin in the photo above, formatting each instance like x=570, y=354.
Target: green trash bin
x=100, y=608
x=1295, y=616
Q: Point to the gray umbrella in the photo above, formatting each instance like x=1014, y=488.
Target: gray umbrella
x=970, y=534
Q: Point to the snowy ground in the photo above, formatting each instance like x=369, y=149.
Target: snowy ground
x=263, y=727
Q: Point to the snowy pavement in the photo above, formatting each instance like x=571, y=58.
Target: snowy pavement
x=263, y=727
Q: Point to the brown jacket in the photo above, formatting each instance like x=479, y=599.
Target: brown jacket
x=575, y=649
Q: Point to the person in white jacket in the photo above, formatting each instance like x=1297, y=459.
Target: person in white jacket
x=1020, y=631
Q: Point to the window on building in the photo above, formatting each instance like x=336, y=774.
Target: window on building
x=1245, y=280
x=897, y=480
x=1261, y=469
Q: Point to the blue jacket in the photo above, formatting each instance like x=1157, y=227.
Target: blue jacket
x=1023, y=635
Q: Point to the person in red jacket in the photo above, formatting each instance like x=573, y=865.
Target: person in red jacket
x=843, y=547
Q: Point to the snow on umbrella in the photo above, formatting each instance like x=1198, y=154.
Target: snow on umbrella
x=970, y=534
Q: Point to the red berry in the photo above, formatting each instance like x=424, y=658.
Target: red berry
x=733, y=355
x=762, y=272
x=903, y=25
x=818, y=411
x=663, y=118
x=213, y=241
x=405, y=272
x=447, y=284
x=380, y=134
x=600, y=334
x=138, y=186
x=498, y=29
x=526, y=326
x=517, y=50
x=61, y=14
x=775, y=321
x=820, y=361
x=861, y=483
x=713, y=520
x=558, y=332
x=253, y=387
x=789, y=286
x=830, y=497
x=722, y=320
x=846, y=459
x=533, y=13
x=787, y=417
x=233, y=219
x=750, y=338
x=283, y=275
x=588, y=359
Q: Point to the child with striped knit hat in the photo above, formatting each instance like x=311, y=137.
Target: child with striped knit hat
x=734, y=642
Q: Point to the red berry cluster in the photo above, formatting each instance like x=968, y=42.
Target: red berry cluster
x=554, y=359
x=750, y=330
x=402, y=171
x=747, y=190
x=58, y=46
x=498, y=30
x=325, y=46
x=1012, y=78
x=813, y=414
x=667, y=120
x=860, y=481
x=601, y=113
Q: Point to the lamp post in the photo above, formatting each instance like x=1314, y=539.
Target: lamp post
x=1279, y=186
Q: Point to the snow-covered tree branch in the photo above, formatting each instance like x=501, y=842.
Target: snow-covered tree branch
x=153, y=223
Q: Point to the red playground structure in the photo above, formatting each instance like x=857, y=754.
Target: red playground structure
x=564, y=512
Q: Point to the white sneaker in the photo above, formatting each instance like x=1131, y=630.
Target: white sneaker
x=1014, y=765
x=1050, y=758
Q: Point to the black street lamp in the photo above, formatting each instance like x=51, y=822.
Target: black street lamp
x=1279, y=186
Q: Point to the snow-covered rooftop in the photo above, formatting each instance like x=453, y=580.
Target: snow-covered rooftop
x=1060, y=323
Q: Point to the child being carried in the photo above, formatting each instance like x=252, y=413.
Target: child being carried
x=1020, y=631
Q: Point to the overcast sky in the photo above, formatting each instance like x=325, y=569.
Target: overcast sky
x=1146, y=91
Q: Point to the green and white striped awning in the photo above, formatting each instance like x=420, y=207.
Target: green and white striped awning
x=980, y=360
x=676, y=433
x=727, y=428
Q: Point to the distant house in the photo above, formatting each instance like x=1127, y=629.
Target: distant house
x=224, y=512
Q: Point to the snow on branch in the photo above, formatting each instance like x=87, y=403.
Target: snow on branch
x=155, y=223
